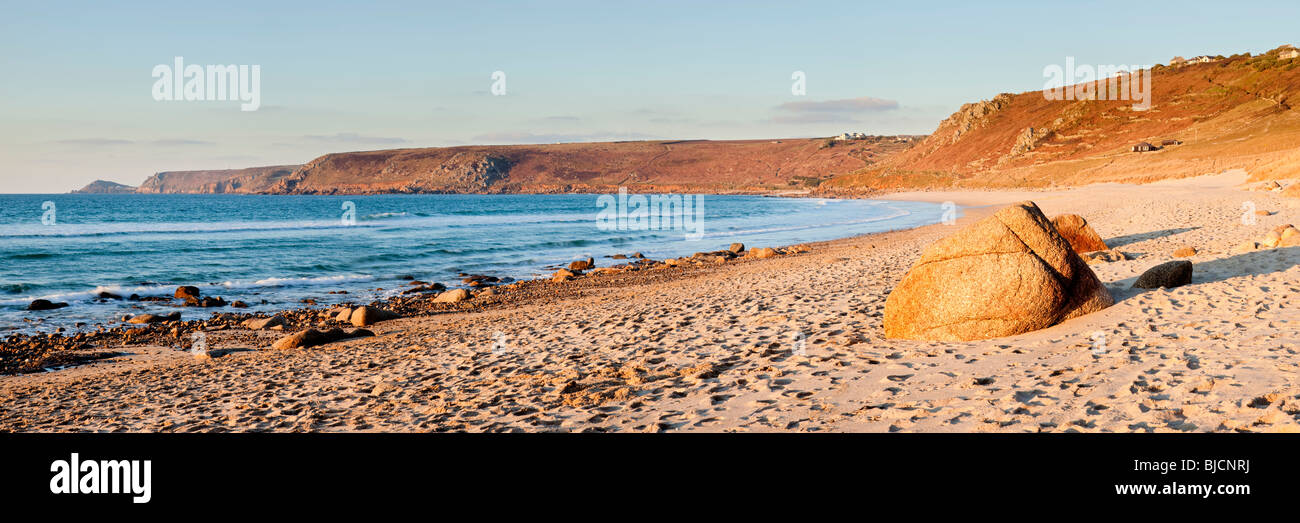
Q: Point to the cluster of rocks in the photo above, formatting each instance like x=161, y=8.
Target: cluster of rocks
x=188, y=293
x=314, y=337
x=1281, y=236
x=1269, y=186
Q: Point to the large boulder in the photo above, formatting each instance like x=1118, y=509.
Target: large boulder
x=187, y=292
x=1169, y=274
x=1075, y=229
x=582, y=265
x=1006, y=274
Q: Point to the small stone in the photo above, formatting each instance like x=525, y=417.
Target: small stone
x=452, y=296
x=264, y=323
x=154, y=318
x=582, y=265
x=365, y=316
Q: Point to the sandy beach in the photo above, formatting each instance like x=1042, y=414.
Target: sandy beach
x=790, y=343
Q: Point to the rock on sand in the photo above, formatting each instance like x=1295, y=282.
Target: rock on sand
x=1075, y=229
x=1170, y=274
x=1006, y=274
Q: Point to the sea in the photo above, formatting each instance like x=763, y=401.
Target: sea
x=272, y=252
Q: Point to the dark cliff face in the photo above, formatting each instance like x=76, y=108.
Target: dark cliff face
x=105, y=187
x=227, y=181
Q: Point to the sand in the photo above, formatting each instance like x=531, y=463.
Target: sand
x=792, y=343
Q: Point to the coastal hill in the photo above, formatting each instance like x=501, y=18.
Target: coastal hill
x=1205, y=116
x=105, y=187
x=688, y=165
x=705, y=165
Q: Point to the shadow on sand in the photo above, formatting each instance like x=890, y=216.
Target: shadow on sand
x=1252, y=263
x=1120, y=241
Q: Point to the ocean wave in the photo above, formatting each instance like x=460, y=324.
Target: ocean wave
x=898, y=213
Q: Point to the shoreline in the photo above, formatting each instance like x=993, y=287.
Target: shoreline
x=709, y=347
x=333, y=294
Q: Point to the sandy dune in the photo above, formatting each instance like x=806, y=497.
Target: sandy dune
x=784, y=344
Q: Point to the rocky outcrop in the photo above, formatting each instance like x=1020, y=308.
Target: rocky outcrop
x=105, y=187
x=1006, y=274
x=970, y=116
x=1082, y=237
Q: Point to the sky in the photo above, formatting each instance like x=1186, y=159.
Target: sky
x=77, y=85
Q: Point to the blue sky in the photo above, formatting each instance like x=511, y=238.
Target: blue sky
x=76, y=105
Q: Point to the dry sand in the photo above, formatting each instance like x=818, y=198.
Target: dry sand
x=721, y=351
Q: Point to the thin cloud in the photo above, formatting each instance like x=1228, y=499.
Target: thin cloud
x=354, y=138
x=95, y=141
x=812, y=118
x=179, y=142
x=863, y=104
x=527, y=137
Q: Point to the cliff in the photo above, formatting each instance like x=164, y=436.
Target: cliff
x=692, y=165
x=249, y=180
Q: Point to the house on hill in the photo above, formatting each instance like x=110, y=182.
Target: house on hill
x=1288, y=52
x=1203, y=59
x=1171, y=142
x=1142, y=147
